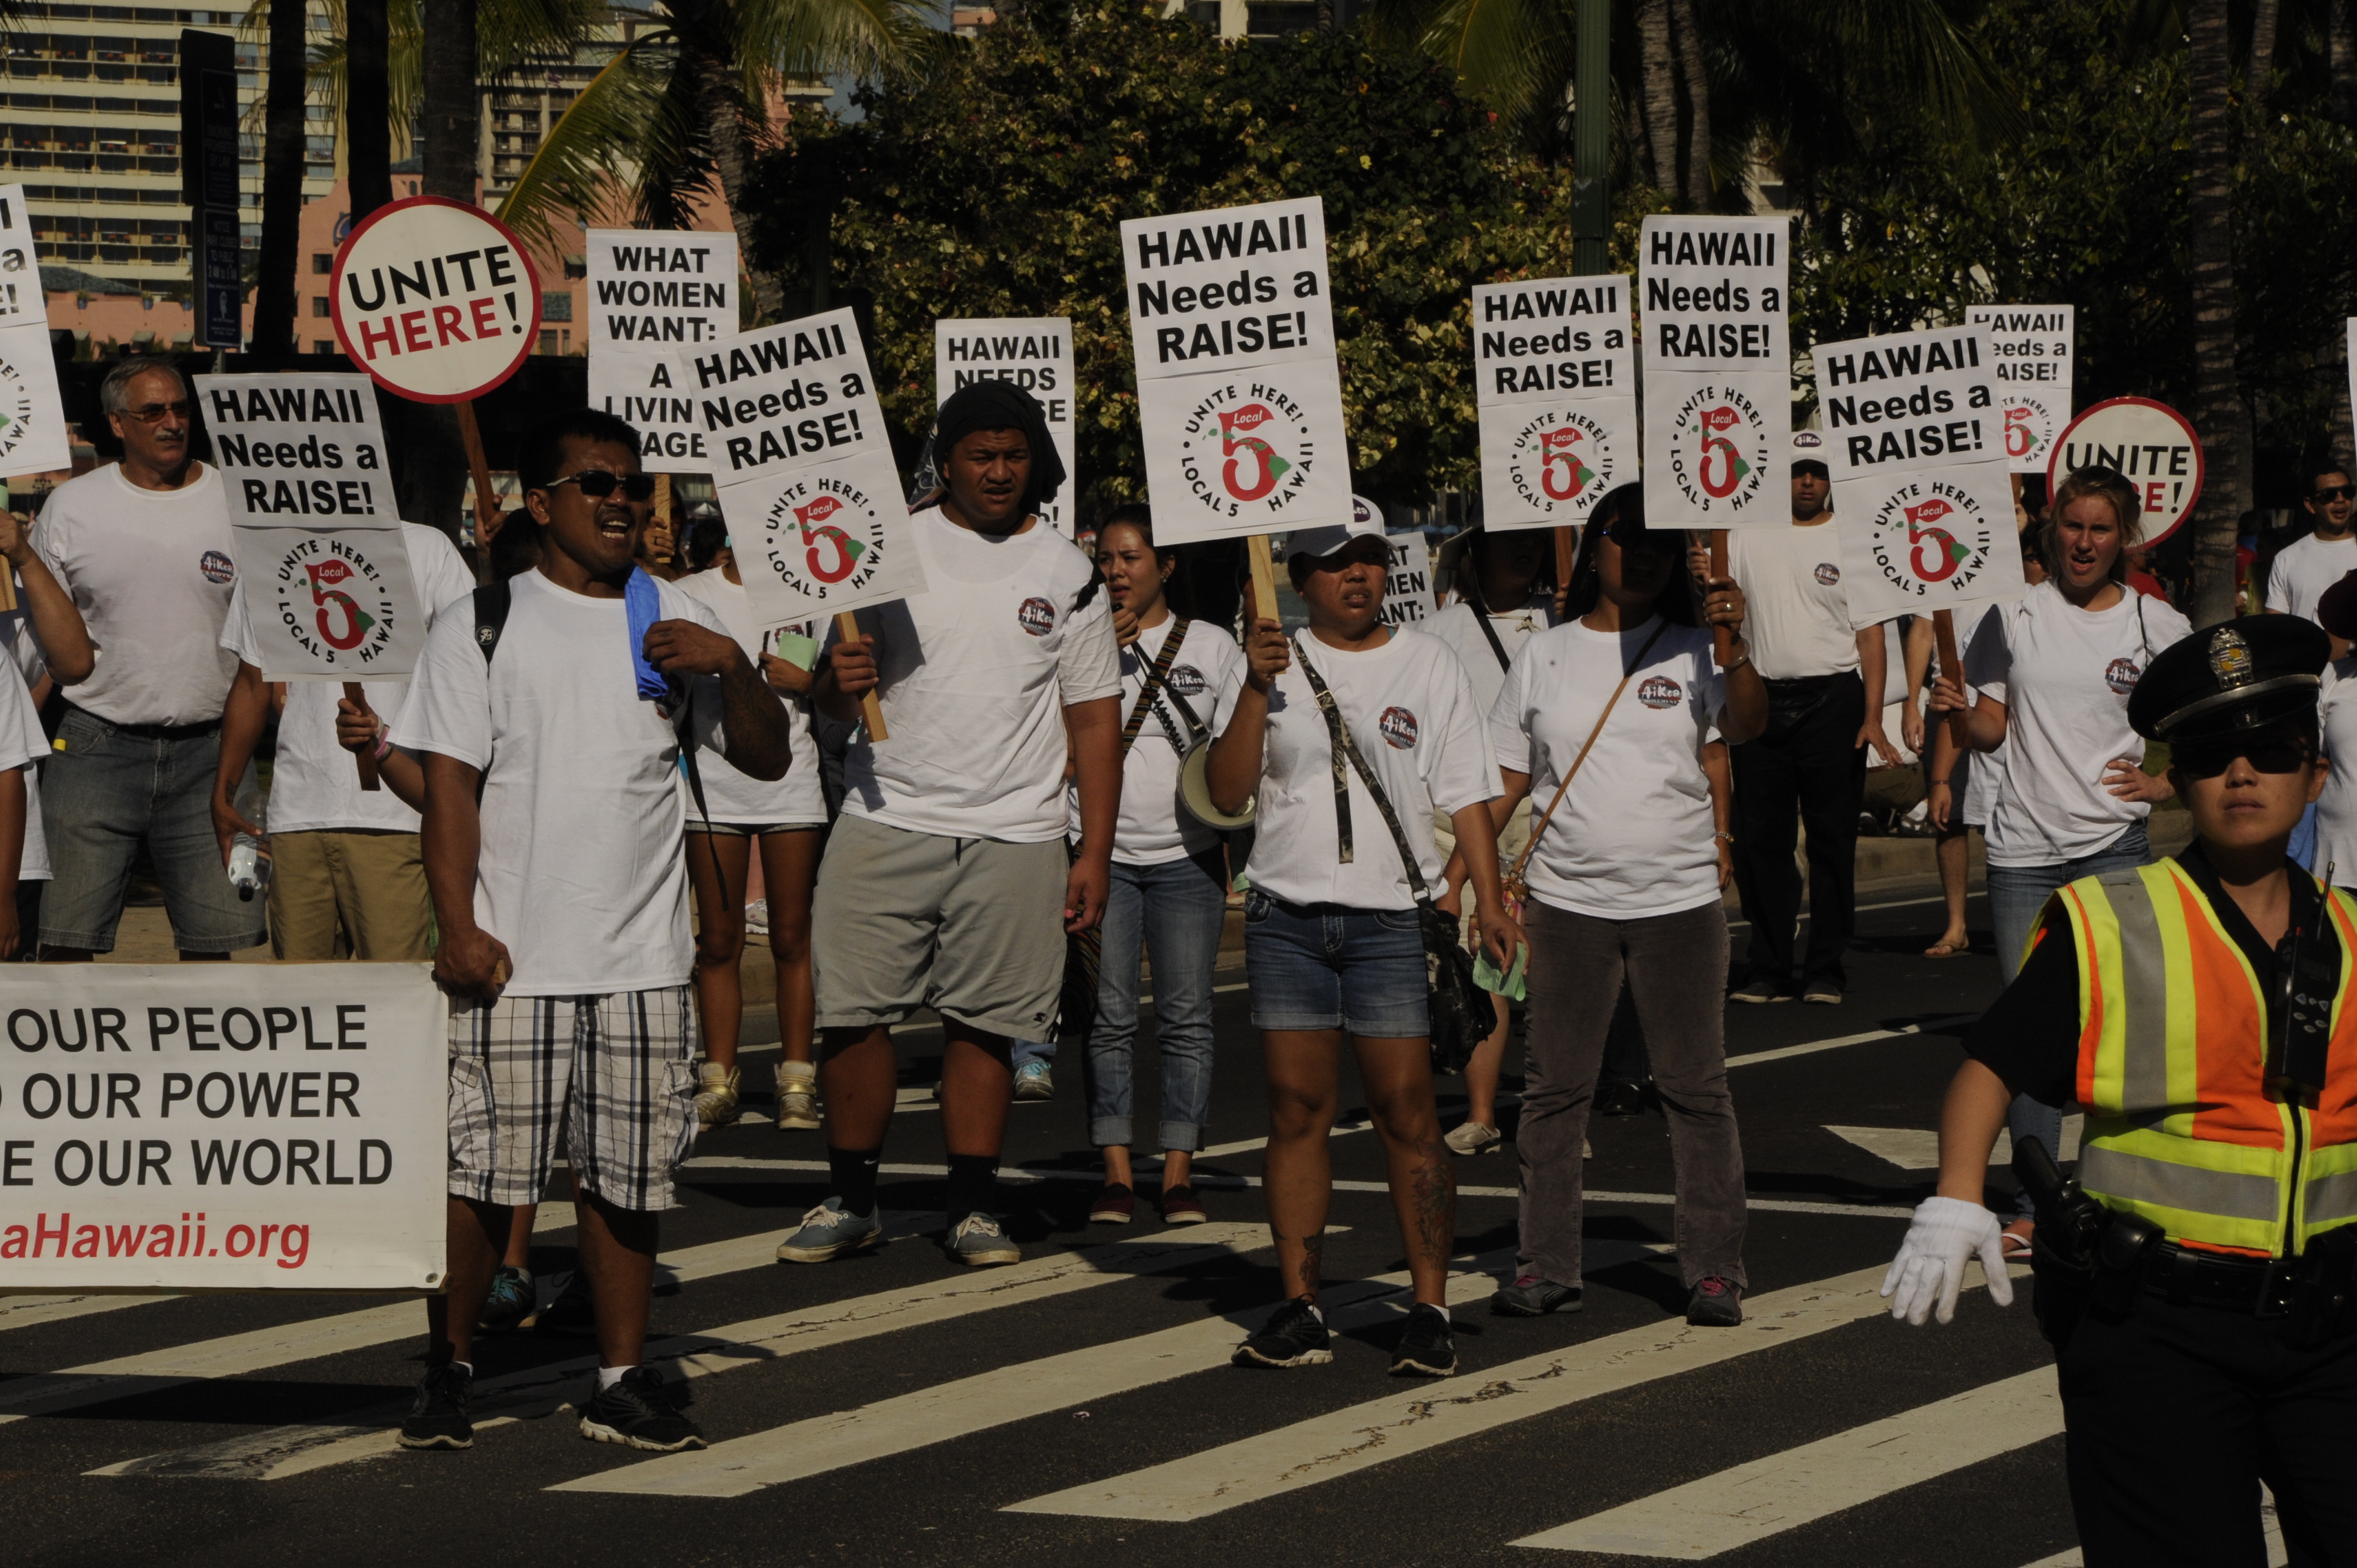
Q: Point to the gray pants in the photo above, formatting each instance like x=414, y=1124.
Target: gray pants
x=1673, y=963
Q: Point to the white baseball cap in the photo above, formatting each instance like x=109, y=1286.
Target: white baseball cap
x=1326, y=538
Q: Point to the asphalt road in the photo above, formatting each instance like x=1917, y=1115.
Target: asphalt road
x=1079, y=1408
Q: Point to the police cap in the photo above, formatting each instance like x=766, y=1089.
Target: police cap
x=2244, y=675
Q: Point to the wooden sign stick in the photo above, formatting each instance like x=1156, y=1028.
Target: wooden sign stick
x=487, y=505
x=371, y=779
x=1566, y=554
x=1264, y=578
x=871, y=711
x=662, y=515
x=1952, y=665
x=1722, y=641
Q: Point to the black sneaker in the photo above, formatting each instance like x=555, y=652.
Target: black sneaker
x=1715, y=1304
x=640, y=1411
x=439, y=1419
x=1532, y=1296
x=509, y=1304
x=1620, y=1096
x=1428, y=1346
x=572, y=1315
x=1296, y=1337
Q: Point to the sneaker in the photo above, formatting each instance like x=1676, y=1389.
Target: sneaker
x=977, y=1240
x=715, y=1094
x=1532, y=1296
x=439, y=1419
x=639, y=1410
x=511, y=1301
x=1715, y=1304
x=1114, y=1206
x=1825, y=993
x=1296, y=1337
x=798, y=1097
x=1586, y=1149
x=1619, y=1097
x=1034, y=1081
x=831, y=1231
x=1428, y=1346
x=1473, y=1138
x=1758, y=990
x=1181, y=1206
x=572, y=1314
x=757, y=918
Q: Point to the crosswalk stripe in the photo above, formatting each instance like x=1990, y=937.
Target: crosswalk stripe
x=1353, y=1439
x=47, y=1393
x=24, y=1311
x=284, y=1451
x=2271, y=1533
x=1751, y=1502
x=1785, y=1053
x=1918, y=1148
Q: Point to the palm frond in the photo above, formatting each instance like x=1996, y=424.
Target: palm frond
x=590, y=162
x=800, y=39
x=404, y=69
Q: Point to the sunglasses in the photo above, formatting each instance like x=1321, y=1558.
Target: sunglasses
x=596, y=484
x=2335, y=493
x=154, y=412
x=2209, y=758
x=1633, y=536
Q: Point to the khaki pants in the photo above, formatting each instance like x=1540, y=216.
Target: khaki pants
x=349, y=895
x=1510, y=840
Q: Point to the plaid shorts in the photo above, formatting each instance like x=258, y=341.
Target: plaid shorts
x=627, y=1114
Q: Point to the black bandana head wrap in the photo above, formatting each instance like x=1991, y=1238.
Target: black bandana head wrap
x=1002, y=405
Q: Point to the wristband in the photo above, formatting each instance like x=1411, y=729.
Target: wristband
x=1939, y=783
x=384, y=743
x=1727, y=836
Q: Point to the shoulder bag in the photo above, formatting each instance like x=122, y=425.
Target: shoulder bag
x=1518, y=889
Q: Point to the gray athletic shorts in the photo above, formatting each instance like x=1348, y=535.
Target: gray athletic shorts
x=972, y=927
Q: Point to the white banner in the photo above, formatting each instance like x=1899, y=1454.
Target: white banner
x=787, y=397
x=820, y=540
x=1907, y=401
x=331, y=603
x=660, y=288
x=650, y=390
x=300, y=450
x=1717, y=450
x=1034, y=353
x=1260, y=451
x=223, y=1127
x=2031, y=345
x=1556, y=383
x=1228, y=289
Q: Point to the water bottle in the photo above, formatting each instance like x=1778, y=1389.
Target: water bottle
x=249, y=856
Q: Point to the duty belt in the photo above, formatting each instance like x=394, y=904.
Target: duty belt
x=2189, y=1276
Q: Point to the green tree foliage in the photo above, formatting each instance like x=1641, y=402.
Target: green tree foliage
x=997, y=189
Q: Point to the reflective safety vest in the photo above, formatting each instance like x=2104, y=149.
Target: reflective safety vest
x=2182, y=1127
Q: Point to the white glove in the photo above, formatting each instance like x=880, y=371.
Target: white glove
x=1931, y=1262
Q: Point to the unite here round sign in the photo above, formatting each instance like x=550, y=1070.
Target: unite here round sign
x=2150, y=443
x=434, y=299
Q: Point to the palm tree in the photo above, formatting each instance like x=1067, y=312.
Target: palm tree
x=2220, y=412
x=282, y=179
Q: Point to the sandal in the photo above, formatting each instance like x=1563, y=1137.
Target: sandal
x=2014, y=1241
x=1944, y=949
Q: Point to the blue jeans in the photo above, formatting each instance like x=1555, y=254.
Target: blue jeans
x=1321, y=966
x=1173, y=911
x=1020, y=1052
x=2017, y=894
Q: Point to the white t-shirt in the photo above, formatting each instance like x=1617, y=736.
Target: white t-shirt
x=2335, y=809
x=1207, y=672
x=22, y=648
x=1634, y=836
x=1460, y=626
x=798, y=799
x=1796, y=612
x=1411, y=714
x=581, y=872
x=2304, y=569
x=976, y=676
x=2064, y=675
x=314, y=784
x=150, y=571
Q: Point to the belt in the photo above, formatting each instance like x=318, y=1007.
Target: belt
x=150, y=732
x=2261, y=1288
x=1802, y=685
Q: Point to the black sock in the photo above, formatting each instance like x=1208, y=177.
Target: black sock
x=852, y=1174
x=973, y=1180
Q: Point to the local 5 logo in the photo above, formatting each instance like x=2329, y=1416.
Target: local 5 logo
x=1252, y=467
x=335, y=606
x=1723, y=466
x=819, y=537
x=1944, y=554
x=2020, y=438
x=1561, y=473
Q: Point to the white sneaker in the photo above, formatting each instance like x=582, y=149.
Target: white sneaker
x=1473, y=1138
x=757, y=918
x=1033, y=1081
x=977, y=1240
x=715, y=1094
x=797, y=1095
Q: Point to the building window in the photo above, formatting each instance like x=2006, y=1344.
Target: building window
x=322, y=262
x=548, y=341
x=557, y=307
x=318, y=304
x=323, y=345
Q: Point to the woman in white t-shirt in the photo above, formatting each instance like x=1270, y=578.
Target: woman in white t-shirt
x=1625, y=880
x=2054, y=671
x=2334, y=857
x=1170, y=891
x=1332, y=940
x=788, y=820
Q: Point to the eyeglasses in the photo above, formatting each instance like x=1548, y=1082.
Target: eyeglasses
x=597, y=484
x=154, y=412
x=2335, y=493
x=2267, y=753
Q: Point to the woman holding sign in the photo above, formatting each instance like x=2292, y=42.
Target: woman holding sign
x=1349, y=736
x=2054, y=671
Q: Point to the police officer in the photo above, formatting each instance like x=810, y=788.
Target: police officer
x=2196, y=1276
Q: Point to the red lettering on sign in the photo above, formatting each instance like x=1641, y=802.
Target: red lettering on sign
x=446, y=325
x=370, y=338
x=487, y=316
x=413, y=331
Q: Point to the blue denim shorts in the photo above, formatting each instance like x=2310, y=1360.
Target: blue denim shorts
x=1321, y=966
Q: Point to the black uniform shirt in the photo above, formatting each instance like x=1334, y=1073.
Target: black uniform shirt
x=2029, y=1036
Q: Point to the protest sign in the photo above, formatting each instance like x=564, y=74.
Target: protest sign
x=330, y=605
x=824, y=539
x=299, y=448
x=33, y=435
x=1718, y=363
x=661, y=289
x=2031, y=346
x=1407, y=592
x=1714, y=448
x=224, y=1126
x=787, y=397
x=1918, y=462
x=649, y=389
x=1034, y=353
x=2150, y=443
x=1555, y=383
x=1247, y=452
x=434, y=299
x=1232, y=288
x=21, y=301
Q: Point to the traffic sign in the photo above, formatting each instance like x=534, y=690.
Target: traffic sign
x=2151, y=444
x=434, y=299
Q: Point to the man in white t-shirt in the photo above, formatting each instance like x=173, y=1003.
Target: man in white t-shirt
x=550, y=713
x=347, y=875
x=945, y=883
x=1810, y=765
x=143, y=545
x=2305, y=568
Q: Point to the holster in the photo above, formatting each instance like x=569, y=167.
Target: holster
x=2322, y=1290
